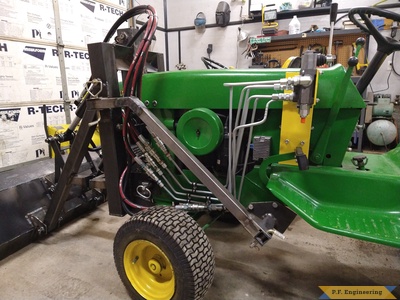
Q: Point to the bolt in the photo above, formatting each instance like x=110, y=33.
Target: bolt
x=154, y=103
x=302, y=143
x=250, y=207
x=274, y=205
x=287, y=141
x=317, y=156
x=147, y=102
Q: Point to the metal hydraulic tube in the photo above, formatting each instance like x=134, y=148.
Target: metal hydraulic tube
x=254, y=225
x=149, y=153
x=161, y=146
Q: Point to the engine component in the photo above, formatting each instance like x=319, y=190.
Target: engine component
x=200, y=130
x=305, y=94
x=261, y=147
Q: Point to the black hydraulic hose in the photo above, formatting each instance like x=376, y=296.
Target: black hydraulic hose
x=137, y=34
x=137, y=10
x=140, y=71
x=131, y=82
x=126, y=208
x=125, y=17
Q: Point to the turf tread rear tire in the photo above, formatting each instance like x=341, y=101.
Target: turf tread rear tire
x=181, y=239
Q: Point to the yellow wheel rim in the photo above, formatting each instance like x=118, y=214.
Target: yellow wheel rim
x=149, y=270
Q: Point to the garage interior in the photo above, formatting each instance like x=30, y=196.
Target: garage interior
x=208, y=150
x=76, y=262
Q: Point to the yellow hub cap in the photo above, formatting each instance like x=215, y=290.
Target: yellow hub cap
x=155, y=266
x=149, y=270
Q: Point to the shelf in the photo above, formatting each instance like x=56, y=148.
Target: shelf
x=312, y=12
x=301, y=13
x=311, y=35
x=282, y=47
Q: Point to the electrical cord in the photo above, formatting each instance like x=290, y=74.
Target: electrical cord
x=393, y=68
x=387, y=83
x=342, y=17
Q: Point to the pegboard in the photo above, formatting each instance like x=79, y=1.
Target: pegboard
x=283, y=48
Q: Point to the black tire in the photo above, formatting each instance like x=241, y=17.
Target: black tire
x=182, y=252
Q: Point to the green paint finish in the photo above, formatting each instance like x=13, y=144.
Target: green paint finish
x=362, y=204
x=204, y=88
x=180, y=91
x=254, y=190
x=337, y=89
x=332, y=195
x=329, y=81
x=340, y=134
x=200, y=130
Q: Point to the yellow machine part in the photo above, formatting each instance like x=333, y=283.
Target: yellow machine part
x=290, y=61
x=294, y=133
x=57, y=129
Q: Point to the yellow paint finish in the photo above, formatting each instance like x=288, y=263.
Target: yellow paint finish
x=149, y=270
x=294, y=133
x=287, y=62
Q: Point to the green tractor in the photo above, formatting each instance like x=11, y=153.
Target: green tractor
x=260, y=145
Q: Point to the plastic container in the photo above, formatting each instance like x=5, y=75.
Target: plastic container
x=294, y=26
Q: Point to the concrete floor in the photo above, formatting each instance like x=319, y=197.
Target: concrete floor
x=76, y=262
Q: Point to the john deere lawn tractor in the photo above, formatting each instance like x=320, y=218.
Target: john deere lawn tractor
x=261, y=145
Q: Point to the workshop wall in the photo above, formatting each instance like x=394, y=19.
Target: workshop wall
x=31, y=76
x=30, y=68
x=226, y=49
x=186, y=46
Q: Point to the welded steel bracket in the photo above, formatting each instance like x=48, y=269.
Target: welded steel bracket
x=36, y=219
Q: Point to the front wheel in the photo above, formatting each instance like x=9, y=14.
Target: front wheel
x=162, y=253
